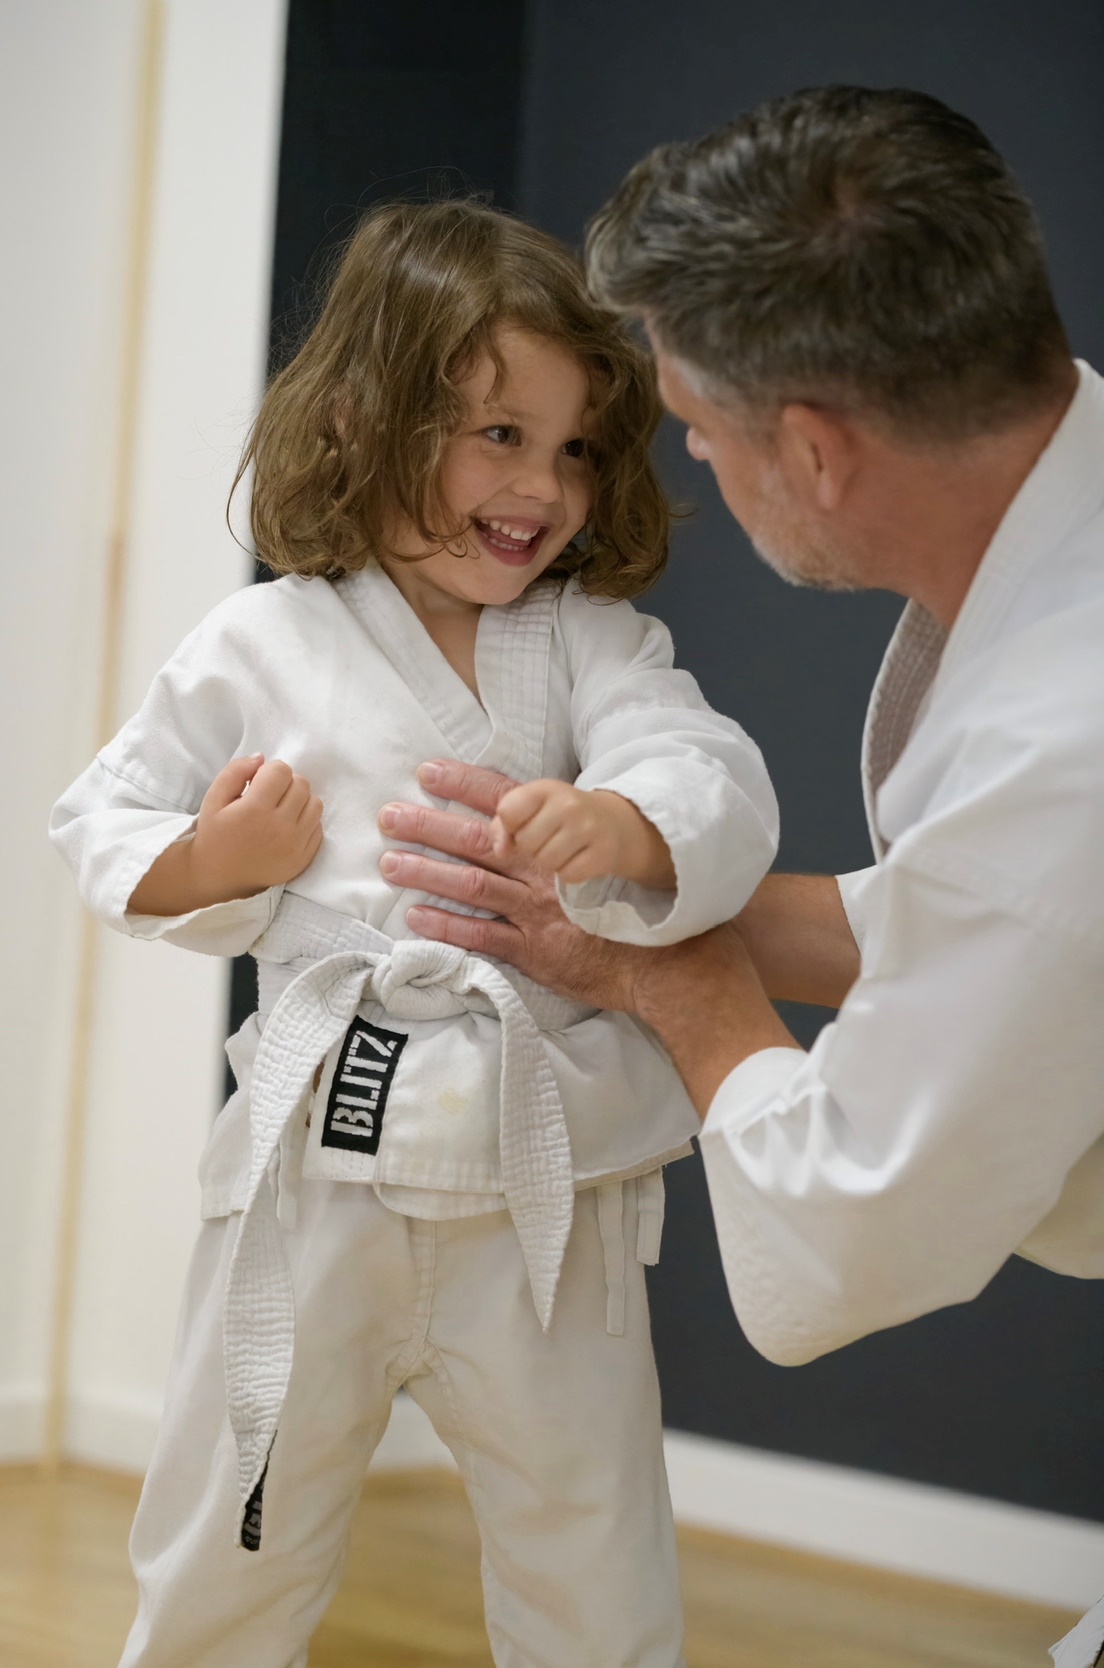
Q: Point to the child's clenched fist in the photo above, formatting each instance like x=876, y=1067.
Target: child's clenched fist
x=582, y=833
x=258, y=826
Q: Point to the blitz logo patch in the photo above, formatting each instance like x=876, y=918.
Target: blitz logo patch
x=360, y=1086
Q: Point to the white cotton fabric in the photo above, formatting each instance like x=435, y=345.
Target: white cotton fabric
x=327, y=966
x=505, y=1095
x=342, y=681
x=557, y=1436
x=954, y=1112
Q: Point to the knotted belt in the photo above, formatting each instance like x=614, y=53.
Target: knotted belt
x=333, y=964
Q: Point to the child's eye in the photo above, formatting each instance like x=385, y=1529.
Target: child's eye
x=575, y=448
x=503, y=434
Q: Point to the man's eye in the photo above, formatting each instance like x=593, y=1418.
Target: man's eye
x=575, y=448
x=501, y=433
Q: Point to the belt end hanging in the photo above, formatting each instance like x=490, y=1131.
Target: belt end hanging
x=250, y=1537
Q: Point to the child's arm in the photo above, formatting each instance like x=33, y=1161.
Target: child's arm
x=259, y=826
x=579, y=834
x=129, y=826
x=644, y=734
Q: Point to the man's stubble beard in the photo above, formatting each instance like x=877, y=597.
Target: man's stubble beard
x=797, y=554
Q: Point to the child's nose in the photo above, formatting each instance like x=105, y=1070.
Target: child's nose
x=538, y=477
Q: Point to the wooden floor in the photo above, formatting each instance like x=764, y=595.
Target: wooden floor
x=410, y=1598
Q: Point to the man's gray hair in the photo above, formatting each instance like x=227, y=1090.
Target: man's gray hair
x=860, y=248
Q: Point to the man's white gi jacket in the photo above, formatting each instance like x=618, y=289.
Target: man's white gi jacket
x=954, y=1112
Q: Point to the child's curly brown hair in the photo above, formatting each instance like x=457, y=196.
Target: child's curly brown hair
x=349, y=439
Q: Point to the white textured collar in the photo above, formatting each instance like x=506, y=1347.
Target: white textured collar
x=1062, y=492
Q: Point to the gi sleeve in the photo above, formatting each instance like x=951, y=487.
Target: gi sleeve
x=894, y=1168
x=644, y=730
x=856, y=891
x=142, y=793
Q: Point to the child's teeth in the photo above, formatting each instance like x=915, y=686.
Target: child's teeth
x=509, y=532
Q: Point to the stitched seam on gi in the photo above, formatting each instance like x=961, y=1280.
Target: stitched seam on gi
x=422, y=1239
x=144, y=787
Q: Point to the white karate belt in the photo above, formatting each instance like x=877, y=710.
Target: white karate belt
x=328, y=965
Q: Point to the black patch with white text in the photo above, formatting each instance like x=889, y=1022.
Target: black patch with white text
x=251, y=1517
x=360, y=1086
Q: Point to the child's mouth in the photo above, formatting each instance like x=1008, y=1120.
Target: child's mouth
x=512, y=542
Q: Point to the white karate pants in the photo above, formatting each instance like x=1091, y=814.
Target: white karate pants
x=557, y=1437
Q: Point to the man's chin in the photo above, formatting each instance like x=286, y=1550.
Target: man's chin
x=812, y=571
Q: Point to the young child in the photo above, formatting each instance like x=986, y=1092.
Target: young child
x=434, y=1173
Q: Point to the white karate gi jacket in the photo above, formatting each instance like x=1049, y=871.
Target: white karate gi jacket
x=954, y=1112
x=452, y=1085
x=341, y=681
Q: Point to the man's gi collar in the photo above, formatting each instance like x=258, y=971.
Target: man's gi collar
x=1062, y=492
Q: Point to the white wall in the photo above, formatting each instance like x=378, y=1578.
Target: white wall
x=68, y=72
x=67, y=104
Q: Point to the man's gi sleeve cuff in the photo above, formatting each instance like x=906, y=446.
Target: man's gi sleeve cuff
x=855, y=892
x=750, y=1088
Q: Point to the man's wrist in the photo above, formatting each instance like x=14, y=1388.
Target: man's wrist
x=704, y=1001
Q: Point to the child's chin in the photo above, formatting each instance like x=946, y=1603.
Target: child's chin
x=502, y=582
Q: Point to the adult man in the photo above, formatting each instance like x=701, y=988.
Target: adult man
x=848, y=299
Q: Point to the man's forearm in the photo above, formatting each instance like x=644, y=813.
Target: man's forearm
x=705, y=1002
x=798, y=936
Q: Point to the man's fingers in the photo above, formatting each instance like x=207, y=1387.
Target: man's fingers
x=470, y=785
x=420, y=825
x=467, y=932
x=478, y=888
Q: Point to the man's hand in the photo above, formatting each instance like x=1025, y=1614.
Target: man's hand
x=258, y=826
x=703, y=997
x=532, y=932
x=581, y=834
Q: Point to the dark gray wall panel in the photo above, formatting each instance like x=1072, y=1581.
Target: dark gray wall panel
x=1004, y=1396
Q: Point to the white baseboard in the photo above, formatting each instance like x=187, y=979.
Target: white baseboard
x=884, y=1522
x=114, y=1434
x=852, y=1515
x=22, y=1410
x=410, y=1440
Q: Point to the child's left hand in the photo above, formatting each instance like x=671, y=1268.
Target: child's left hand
x=581, y=834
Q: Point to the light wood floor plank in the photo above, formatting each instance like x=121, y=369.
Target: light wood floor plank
x=410, y=1597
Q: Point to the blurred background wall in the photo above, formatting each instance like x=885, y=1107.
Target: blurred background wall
x=100, y=1324
x=967, y=1444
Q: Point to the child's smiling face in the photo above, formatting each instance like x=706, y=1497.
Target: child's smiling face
x=516, y=475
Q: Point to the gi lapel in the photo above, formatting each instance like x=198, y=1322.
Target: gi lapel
x=399, y=634
x=511, y=659
x=506, y=730
x=905, y=675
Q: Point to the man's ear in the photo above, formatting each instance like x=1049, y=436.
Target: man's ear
x=818, y=453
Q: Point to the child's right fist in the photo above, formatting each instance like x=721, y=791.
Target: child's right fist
x=258, y=826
